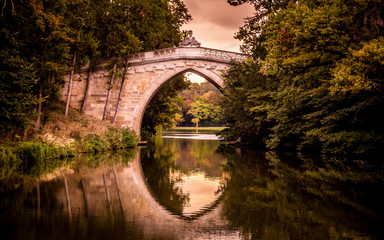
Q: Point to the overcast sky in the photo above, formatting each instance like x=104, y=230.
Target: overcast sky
x=215, y=22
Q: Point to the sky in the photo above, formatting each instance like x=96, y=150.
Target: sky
x=214, y=24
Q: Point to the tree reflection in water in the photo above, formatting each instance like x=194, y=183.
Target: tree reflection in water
x=157, y=163
x=184, y=175
x=274, y=197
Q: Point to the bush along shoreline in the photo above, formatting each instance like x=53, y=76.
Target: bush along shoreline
x=43, y=154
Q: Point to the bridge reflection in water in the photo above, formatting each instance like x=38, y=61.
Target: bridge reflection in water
x=124, y=196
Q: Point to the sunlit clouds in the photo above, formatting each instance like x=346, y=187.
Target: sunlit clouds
x=214, y=25
x=215, y=22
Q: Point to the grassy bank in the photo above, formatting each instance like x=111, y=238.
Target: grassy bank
x=60, y=137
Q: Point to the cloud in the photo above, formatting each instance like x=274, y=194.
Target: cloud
x=215, y=22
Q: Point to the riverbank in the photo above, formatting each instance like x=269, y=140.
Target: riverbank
x=59, y=138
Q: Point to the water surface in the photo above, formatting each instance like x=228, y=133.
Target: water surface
x=188, y=186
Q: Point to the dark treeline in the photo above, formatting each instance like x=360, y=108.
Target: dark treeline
x=315, y=81
x=40, y=40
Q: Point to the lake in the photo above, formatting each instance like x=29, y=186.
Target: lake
x=189, y=185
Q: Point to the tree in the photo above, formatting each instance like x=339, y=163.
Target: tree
x=202, y=110
x=41, y=40
x=35, y=32
x=150, y=25
x=247, y=99
x=308, y=46
x=320, y=80
x=252, y=33
x=76, y=23
x=164, y=108
x=196, y=93
x=18, y=79
x=95, y=37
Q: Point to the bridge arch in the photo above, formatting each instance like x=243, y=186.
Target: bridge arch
x=210, y=76
x=147, y=73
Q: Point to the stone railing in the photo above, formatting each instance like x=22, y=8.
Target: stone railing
x=137, y=56
x=216, y=53
x=164, y=52
x=224, y=54
x=188, y=53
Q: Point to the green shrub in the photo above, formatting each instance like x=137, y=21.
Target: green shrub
x=94, y=143
x=38, y=158
x=114, y=137
x=129, y=138
x=33, y=151
x=68, y=151
x=124, y=138
x=10, y=164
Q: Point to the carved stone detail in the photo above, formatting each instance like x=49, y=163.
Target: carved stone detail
x=190, y=41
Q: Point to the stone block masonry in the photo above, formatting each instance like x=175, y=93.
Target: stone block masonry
x=147, y=72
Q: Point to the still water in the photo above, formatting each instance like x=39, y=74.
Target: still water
x=189, y=186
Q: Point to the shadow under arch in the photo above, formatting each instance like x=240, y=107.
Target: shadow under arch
x=210, y=76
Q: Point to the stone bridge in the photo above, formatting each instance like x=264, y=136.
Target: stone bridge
x=147, y=72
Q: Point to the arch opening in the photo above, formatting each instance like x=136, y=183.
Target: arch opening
x=210, y=78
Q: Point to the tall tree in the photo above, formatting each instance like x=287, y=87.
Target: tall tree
x=95, y=35
x=42, y=39
x=35, y=31
x=323, y=77
x=154, y=24
x=77, y=30
x=309, y=47
x=121, y=41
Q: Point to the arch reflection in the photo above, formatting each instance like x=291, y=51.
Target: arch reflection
x=184, y=174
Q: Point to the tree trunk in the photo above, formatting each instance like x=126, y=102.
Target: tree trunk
x=70, y=85
x=109, y=92
x=39, y=107
x=121, y=89
x=90, y=77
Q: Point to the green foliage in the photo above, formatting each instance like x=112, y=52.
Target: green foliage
x=129, y=138
x=38, y=158
x=201, y=105
x=248, y=98
x=16, y=91
x=118, y=139
x=204, y=111
x=319, y=82
x=252, y=33
x=114, y=139
x=93, y=143
x=10, y=164
x=31, y=152
x=34, y=158
x=163, y=108
x=40, y=39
